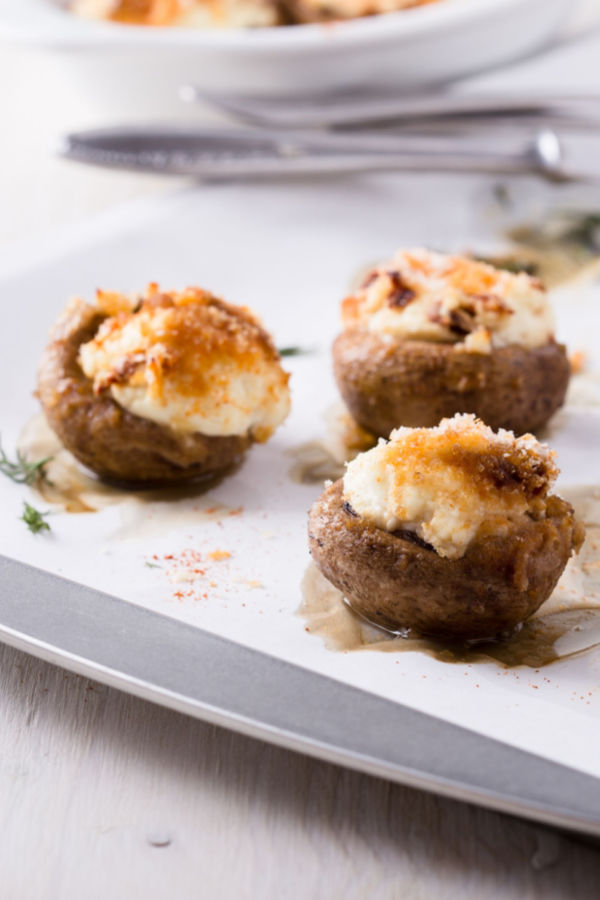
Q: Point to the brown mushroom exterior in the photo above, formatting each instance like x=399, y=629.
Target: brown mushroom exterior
x=399, y=582
x=109, y=440
x=387, y=383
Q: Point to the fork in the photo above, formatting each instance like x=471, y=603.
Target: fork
x=433, y=110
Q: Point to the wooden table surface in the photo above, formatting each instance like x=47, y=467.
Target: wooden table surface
x=104, y=796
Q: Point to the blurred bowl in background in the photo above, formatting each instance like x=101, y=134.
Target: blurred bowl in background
x=139, y=69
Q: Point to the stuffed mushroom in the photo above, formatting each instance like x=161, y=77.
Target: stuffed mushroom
x=183, y=13
x=163, y=388
x=429, y=335
x=233, y=13
x=447, y=531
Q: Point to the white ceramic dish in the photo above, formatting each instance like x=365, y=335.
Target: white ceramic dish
x=297, y=245
x=128, y=65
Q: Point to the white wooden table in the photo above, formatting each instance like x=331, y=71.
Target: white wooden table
x=105, y=796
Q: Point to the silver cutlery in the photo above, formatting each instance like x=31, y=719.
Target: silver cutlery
x=442, y=108
x=215, y=153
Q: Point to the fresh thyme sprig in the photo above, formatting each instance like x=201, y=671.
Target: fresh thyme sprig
x=510, y=264
x=34, y=519
x=22, y=471
x=294, y=351
x=584, y=229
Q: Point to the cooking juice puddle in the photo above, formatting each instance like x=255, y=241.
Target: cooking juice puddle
x=323, y=460
x=540, y=641
x=66, y=484
x=567, y=625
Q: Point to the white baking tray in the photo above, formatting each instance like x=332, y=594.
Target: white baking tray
x=290, y=250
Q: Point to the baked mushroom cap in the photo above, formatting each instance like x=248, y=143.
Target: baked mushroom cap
x=115, y=443
x=398, y=581
x=448, y=530
x=429, y=335
x=386, y=383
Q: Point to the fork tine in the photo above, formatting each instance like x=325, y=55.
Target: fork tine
x=356, y=109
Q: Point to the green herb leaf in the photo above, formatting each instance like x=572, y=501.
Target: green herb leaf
x=510, y=264
x=22, y=471
x=585, y=230
x=152, y=565
x=34, y=519
x=294, y=351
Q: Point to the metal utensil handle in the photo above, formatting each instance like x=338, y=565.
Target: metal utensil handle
x=209, y=153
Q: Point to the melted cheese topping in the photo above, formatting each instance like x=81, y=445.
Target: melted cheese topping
x=182, y=13
x=451, y=483
x=422, y=295
x=235, y=13
x=188, y=361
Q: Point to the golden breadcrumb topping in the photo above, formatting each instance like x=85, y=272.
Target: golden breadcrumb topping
x=185, y=13
x=451, y=483
x=188, y=359
x=236, y=13
x=423, y=295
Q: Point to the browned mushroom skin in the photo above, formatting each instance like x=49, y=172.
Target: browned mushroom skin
x=109, y=440
x=398, y=581
x=387, y=383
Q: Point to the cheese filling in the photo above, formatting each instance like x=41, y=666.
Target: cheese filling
x=188, y=361
x=234, y=13
x=422, y=295
x=451, y=483
x=182, y=13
